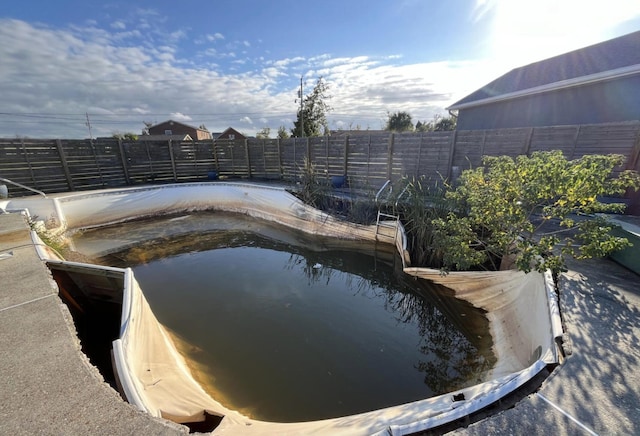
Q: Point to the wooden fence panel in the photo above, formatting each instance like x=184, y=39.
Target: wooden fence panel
x=469, y=148
x=192, y=161
x=293, y=154
x=264, y=157
x=33, y=163
x=433, y=156
x=232, y=158
x=272, y=159
x=368, y=159
x=319, y=154
x=407, y=149
x=510, y=142
x=149, y=161
x=599, y=139
x=561, y=138
x=93, y=165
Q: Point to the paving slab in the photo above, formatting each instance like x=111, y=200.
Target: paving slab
x=47, y=385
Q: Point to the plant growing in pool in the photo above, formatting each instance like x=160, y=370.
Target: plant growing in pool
x=315, y=189
x=533, y=212
x=419, y=201
x=312, y=189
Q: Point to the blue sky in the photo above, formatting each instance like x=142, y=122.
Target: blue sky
x=238, y=63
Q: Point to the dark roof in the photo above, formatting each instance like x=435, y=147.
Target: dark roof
x=183, y=137
x=177, y=122
x=599, y=58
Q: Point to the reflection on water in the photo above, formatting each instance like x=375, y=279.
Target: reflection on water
x=284, y=327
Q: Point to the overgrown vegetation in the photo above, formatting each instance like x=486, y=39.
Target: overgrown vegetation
x=533, y=211
x=51, y=239
x=528, y=212
x=418, y=201
x=316, y=190
x=402, y=122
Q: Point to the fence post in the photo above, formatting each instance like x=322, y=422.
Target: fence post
x=280, y=158
x=215, y=155
x=346, y=154
x=484, y=142
x=95, y=158
x=452, y=150
x=575, y=142
x=417, y=174
x=390, y=156
x=634, y=158
x=123, y=159
x=26, y=158
x=65, y=166
x=246, y=149
x=527, y=144
x=264, y=158
x=173, y=161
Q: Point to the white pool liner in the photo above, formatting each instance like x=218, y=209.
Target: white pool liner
x=522, y=309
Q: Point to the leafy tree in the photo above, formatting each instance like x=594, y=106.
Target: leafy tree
x=128, y=136
x=264, y=133
x=533, y=211
x=282, y=132
x=438, y=124
x=445, y=124
x=313, y=115
x=423, y=127
x=399, y=122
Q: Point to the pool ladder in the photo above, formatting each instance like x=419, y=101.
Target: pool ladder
x=394, y=222
x=388, y=224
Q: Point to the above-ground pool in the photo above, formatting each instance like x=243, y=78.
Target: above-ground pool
x=286, y=327
x=522, y=316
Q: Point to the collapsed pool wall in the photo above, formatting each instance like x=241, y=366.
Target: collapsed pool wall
x=524, y=319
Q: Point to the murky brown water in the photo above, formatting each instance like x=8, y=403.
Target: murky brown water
x=284, y=327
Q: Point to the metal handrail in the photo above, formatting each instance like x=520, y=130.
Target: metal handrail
x=20, y=185
x=382, y=189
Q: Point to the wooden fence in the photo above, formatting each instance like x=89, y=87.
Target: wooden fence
x=367, y=159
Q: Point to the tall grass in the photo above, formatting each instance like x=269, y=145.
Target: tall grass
x=419, y=201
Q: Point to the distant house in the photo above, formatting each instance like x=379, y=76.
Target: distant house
x=179, y=138
x=592, y=85
x=171, y=127
x=229, y=134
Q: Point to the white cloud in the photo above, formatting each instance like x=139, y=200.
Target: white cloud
x=87, y=69
x=118, y=25
x=121, y=84
x=177, y=116
x=214, y=37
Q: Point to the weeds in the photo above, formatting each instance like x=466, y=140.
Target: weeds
x=418, y=202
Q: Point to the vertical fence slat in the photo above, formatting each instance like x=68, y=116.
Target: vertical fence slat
x=65, y=166
x=390, y=156
x=452, y=149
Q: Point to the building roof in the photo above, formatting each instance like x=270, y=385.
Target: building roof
x=607, y=60
x=183, y=137
x=174, y=122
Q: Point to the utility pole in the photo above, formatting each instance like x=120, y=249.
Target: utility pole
x=301, y=94
x=88, y=124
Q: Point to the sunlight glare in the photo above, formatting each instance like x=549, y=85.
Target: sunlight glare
x=528, y=31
